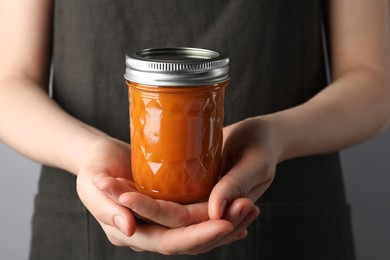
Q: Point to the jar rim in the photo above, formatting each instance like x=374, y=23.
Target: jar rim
x=177, y=66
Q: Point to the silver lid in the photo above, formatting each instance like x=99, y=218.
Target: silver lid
x=177, y=67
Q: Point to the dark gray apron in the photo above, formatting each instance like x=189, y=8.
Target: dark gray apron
x=276, y=63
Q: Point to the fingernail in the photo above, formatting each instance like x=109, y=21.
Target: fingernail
x=120, y=224
x=222, y=208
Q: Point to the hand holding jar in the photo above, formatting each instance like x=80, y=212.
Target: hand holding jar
x=251, y=151
x=176, y=111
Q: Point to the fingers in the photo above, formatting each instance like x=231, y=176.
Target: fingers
x=249, y=178
x=241, y=213
x=168, y=241
x=240, y=230
x=197, y=235
x=171, y=221
x=166, y=213
x=162, y=212
x=193, y=239
x=104, y=209
x=113, y=187
x=176, y=228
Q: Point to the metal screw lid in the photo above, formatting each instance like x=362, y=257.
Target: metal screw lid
x=180, y=66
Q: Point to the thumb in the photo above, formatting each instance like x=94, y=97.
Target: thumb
x=248, y=178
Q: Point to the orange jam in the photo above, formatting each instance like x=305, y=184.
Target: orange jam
x=176, y=98
x=176, y=140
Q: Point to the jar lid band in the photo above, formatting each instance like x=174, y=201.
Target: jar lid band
x=180, y=66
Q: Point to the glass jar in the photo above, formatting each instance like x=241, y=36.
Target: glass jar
x=176, y=98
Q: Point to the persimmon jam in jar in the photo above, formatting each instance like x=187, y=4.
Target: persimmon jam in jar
x=176, y=99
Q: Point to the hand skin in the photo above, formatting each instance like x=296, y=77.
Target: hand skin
x=250, y=157
x=176, y=228
x=353, y=108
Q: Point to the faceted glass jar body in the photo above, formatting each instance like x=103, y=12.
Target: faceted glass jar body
x=176, y=139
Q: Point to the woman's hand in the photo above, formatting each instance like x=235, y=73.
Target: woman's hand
x=251, y=151
x=108, y=157
x=250, y=154
x=104, y=186
x=171, y=228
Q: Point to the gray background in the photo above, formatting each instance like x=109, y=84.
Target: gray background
x=366, y=171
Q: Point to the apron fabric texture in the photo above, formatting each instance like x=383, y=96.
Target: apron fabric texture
x=277, y=62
